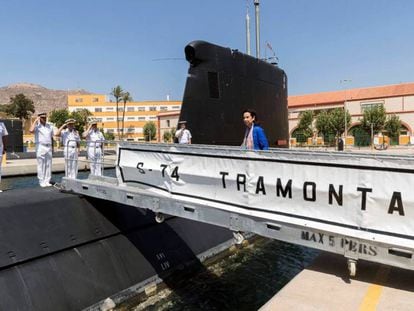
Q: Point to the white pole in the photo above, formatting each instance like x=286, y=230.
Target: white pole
x=248, y=32
x=256, y=6
x=345, y=110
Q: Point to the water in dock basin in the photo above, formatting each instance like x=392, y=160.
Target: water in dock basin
x=244, y=281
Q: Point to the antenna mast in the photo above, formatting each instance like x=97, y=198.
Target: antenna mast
x=256, y=7
x=247, y=29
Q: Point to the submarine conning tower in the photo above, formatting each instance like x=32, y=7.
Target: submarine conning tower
x=221, y=83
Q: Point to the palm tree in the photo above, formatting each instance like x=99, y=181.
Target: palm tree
x=117, y=93
x=126, y=97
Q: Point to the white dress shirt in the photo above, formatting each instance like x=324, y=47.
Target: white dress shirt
x=70, y=138
x=43, y=134
x=3, y=132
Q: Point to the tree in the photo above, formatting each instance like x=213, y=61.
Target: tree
x=337, y=117
x=393, y=126
x=150, y=131
x=166, y=136
x=81, y=118
x=323, y=123
x=117, y=93
x=126, y=97
x=20, y=107
x=305, y=123
x=107, y=135
x=59, y=116
x=374, y=118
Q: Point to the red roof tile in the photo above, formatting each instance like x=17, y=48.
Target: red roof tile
x=351, y=94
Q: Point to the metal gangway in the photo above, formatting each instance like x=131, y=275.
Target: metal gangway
x=354, y=204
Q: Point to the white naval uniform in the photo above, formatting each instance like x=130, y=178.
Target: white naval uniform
x=44, y=140
x=3, y=132
x=183, y=136
x=70, y=140
x=95, y=151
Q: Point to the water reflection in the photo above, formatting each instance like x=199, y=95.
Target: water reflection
x=246, y=280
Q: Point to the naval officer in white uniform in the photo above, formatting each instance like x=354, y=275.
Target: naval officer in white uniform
x=44, y=144
x=71, y=143
x=3, y=143
x=94, y=142
x=183, y=135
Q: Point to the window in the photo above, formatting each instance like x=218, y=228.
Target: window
x=119, y=118
x=153, y=118
x=98, y=119
x=95, y=99
x=141, y=118
x=130, y=118
x=110, y=130
x=175, y=107
x=98, y=109
x=152, y=108
x=168, y=123
x=163, y=108
x=130, y=109
x=370, y=105
x=131, y=129
x=110, y=119
x=120, y=109
x=141, y=108
x=78, y=100
x=109, y=108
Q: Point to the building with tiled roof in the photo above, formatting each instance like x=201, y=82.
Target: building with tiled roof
x=397, y=99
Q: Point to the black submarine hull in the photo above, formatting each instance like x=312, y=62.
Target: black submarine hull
x=66, y=252
x=221, y=83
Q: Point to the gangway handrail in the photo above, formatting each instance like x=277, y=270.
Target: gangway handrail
x=362, y=219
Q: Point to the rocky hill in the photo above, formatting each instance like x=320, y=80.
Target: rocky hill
x=44, y=99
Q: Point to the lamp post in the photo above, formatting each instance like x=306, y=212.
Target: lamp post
x=345, y=110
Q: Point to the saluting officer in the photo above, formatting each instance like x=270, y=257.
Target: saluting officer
x=44, y=142
x=71, y=142
x=183, y=135
x=3, y=142
x=94, y=142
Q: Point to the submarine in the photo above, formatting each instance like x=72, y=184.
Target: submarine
x=66, y=251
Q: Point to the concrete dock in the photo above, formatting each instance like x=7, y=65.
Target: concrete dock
x=326, y=285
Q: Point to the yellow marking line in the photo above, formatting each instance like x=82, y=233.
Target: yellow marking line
x=374, y=290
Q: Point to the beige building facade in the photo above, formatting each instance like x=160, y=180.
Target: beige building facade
x=137, y=114
x=397, y=99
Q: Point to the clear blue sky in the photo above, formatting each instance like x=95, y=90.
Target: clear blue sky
x=98, y=44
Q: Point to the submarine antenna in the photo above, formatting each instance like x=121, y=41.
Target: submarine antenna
x=247, y=29
x=256, y=7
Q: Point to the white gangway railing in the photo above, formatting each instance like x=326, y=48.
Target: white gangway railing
x=357, y=205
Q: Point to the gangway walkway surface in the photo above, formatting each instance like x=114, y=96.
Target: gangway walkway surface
x=356, y=205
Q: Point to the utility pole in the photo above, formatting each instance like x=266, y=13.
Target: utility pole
x=345, y=110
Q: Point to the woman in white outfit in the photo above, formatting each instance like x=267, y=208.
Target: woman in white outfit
x=44, y=143
x=94, y=142
x=71, y=143
x=3, y=142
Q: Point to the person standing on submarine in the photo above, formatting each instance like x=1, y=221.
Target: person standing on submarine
x=254, y=136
